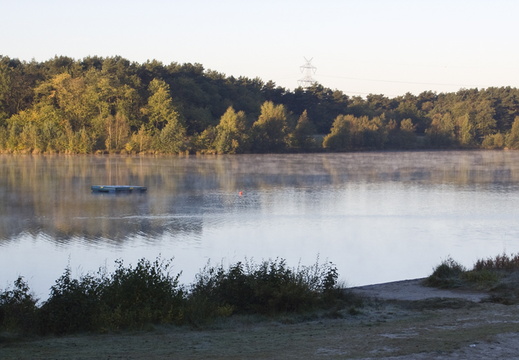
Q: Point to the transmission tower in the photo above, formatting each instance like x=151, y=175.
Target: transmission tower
x=308, y=69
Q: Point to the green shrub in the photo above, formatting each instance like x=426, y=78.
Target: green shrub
x=128, y=298
x=446, y=275
x=73, y=305
x=135, y=297
x=18, y=308
x=266, y=288
x=145, y=294
x=481, y=278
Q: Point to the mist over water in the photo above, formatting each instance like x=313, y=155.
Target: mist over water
x=379, y=216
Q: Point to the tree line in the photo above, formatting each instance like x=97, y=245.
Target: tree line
x=112, y=105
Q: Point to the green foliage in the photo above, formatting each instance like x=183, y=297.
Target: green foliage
x=266, y=288
x=172, y=138
x=160, y=110
x=494, y=141
x=18, y=309
x=512, y=139
x=145, y=294
x=497, y=274
x=446, y=275
x=339, y=138
x=135, y=297
x=402, y=137
x=231, y=133
x=128, y=298
x=353, y=133
x=98, y=105
x=483, y=279
x=73, y=305
x=270, y=131
x=303, y=135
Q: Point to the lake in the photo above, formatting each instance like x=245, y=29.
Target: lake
x=378, y=216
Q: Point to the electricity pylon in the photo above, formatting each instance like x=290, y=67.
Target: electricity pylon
x=308, y=69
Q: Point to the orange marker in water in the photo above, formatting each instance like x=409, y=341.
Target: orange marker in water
x=240, y=193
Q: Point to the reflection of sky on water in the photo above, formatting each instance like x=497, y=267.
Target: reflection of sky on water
x=378, y=216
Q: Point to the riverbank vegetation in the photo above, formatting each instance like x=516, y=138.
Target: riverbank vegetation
x=112, y=105
x=134, y=297
x=498, y=275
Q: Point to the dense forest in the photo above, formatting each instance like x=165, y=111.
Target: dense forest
x=113, y=105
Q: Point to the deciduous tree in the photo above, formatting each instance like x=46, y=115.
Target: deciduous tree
x=271, y=129
x=231, y=133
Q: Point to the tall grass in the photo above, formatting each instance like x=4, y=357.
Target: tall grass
x=134, y=296
x=499, y=262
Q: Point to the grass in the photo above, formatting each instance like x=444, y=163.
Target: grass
x=134, y=297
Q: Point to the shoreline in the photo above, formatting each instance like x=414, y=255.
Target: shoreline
x=413, y=290
x=399, y=324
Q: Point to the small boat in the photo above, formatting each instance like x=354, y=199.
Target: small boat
x=114, y=189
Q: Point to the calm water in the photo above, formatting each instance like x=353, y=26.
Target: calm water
x=378, y=216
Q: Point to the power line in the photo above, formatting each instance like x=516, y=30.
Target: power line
x=397, y=81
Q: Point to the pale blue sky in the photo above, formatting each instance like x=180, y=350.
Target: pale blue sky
x=358, y=46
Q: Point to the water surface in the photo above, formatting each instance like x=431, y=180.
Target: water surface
x=378, y=216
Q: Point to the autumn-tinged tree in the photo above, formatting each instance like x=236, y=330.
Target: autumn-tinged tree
x=172, y=138
x=5, y=88
x=512, y=138
x=303, y=135
x=467, y=131
x=231, y=133
x=160, y=109
x=141, y=141
x=441, y=133
x=164, y=118
x=270, y=131
x=404, y=136
x=339, y=138
x=494, y=141
x=112, y=104
x=117, y=132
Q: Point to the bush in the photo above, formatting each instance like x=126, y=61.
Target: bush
x=73, y=305
x=129, y=298
x=446, y=275
x=18, y=308
x=134, y=297
x=144, y=294
x=267, y=288
x=489, y=274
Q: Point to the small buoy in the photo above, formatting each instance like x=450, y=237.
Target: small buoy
x=240, y=193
